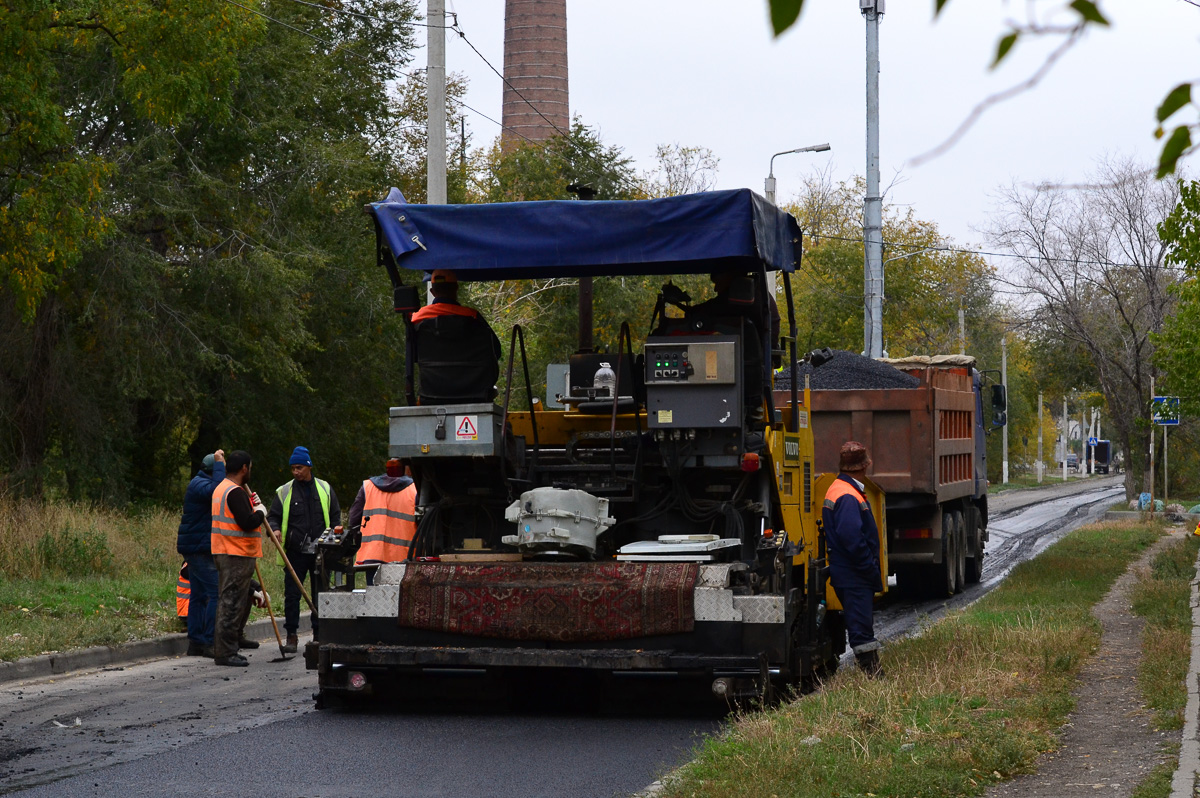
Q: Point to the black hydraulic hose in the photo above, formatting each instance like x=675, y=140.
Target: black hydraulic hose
x=625, y=337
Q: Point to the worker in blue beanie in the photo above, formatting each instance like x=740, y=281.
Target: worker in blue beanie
x=304, y=507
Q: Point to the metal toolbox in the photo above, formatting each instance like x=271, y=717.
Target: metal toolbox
x=471, y=430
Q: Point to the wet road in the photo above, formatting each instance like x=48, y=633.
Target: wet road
x=185, y=726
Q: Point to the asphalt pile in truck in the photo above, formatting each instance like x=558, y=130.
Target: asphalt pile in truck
x=846, y=371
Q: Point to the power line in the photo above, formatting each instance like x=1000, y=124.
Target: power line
x=348, y=12
x=599, y=165
x=917, y=248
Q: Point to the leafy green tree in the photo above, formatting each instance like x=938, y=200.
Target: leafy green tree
x=232, y=299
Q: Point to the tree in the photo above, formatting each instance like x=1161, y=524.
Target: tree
x=682, y=170
x=927, y=281
x=1086, y=13
x=233, y=299
x=1092, y=263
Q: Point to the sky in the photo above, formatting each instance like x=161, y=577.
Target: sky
x=709, y=73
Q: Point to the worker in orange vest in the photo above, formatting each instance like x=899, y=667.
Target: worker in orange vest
x=456, y=349
x=852, y=538
x=385, y=512
x=183, y=593
x=237, y=516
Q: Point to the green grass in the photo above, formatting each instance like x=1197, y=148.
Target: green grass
x=1162, y=596
x=73, y=576
x=973, y=700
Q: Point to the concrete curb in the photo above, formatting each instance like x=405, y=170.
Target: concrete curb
x=173, y=645
x=1184, y=782
x=1142, y=515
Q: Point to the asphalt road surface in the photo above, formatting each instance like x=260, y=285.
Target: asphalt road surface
x=187, y=727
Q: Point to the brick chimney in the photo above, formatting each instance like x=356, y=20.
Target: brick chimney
x=535, y=63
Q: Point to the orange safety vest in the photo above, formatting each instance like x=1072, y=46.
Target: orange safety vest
x=840, y=488
x=444, y=309
x=183, y=593
x=389, y=524
x=227, y=536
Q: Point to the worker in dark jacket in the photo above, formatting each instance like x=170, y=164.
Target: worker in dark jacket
x=456, y=349
x=194, y=543
x=852, y=538
x=303, y=508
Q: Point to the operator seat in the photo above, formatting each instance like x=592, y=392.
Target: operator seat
x=457, y=360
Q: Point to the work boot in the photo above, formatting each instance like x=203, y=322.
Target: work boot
x=245, y=643
x=868, y=662
x=291, y=645
x=199, y=650
x=236, y=660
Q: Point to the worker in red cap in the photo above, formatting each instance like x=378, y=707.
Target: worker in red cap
x=385, y=512
x=852, y=538
x=457, y=352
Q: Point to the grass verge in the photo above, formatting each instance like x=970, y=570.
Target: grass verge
x=1162, y=596
x=973, y=700
x=73, y=576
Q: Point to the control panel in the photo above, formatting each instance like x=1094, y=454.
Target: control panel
x=692, y=362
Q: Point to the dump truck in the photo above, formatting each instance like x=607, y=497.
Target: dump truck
x=928, y=441
x=655, y=514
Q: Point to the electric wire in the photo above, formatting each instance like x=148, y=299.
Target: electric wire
x=566, y=137
x=361, y=15
x=915, y=248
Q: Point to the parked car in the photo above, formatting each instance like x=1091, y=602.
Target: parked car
x=1072, y=461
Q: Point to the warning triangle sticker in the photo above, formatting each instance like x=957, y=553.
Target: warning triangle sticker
x=466, y=429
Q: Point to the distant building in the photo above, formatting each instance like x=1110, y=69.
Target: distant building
x=535, y=65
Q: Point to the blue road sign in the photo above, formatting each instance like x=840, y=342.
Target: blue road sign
x=1164, y=410
x=1093, y=441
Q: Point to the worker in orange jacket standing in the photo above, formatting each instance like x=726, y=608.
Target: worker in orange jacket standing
x=237, y=516
x=852, y=538
x=385, y=512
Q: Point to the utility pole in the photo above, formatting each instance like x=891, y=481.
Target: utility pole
x=435, y=95
x=872, y=10
x=962, y=330
x=1082, y=461
x=1152, y=447
x=1004, y=429
x=1040, y=464
x=1065, y=433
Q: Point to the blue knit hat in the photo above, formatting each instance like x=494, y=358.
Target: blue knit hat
x=300, y=457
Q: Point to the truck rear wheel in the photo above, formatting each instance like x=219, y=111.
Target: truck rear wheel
x=960, y=559
x=948, y=572
x=975, y=534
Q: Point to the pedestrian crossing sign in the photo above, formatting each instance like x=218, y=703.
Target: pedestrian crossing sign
x=467, y=429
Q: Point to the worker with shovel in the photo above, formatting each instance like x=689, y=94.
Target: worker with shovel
x=303, y=508
x=237, y=514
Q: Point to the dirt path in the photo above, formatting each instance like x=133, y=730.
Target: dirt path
x=1108, y=745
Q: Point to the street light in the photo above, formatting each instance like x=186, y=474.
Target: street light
x=769, y=183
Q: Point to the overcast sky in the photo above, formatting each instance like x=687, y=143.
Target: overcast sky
x=708, y=72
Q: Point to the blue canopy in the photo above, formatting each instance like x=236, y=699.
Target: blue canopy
x=691, y=234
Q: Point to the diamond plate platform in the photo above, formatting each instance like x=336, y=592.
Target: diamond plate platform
x=715, y=604
x=381, y=601
x=390, y=573
x=334, y=604
x=760, y=609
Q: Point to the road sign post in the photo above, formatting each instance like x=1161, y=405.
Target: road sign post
x=1164, y=411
